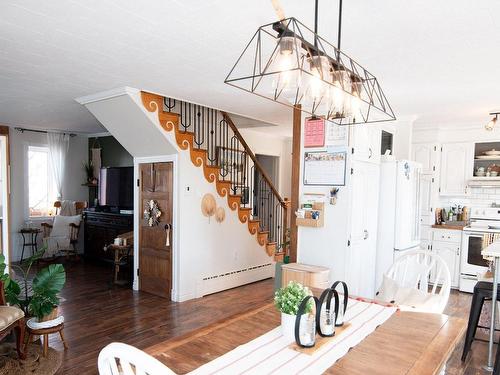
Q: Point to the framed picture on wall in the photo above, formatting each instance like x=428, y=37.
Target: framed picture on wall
x=314, y=132
x=324, y=168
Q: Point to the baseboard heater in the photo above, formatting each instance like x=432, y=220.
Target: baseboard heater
x=231, y=279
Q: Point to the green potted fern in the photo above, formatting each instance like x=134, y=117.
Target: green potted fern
x=287, y=300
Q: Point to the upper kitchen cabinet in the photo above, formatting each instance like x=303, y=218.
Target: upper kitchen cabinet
x=366, y=142
x=426, y=154
x=456, y=168
x=486, y=161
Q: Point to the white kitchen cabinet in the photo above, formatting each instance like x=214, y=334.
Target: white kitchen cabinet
x=426, y=154
x=366, y=142
x=426, y=195
x=446, y=244
x=457, y=163
x=361, y=258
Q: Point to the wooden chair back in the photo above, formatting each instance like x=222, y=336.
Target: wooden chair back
x=79, y=206
x=122, y=359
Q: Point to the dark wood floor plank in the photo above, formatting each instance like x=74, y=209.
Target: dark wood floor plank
x=96, y=316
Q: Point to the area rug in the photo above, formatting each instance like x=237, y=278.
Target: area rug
x=34, y=363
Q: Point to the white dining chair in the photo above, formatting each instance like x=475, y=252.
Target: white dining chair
x=407, y=283
x=122, y=359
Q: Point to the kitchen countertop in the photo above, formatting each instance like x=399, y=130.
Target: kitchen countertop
x=453, y=225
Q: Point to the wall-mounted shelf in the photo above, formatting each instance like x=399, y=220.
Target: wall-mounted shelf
x=90, y=185
x=314, y=223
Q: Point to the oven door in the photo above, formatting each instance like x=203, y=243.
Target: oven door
x=472, y=261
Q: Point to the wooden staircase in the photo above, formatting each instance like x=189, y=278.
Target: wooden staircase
x=264, y=211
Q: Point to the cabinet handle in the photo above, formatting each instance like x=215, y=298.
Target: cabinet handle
x=370, y=153
x=365, y=234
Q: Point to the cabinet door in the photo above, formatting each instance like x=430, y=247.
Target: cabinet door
x=366, y=142
x=450, y=252
x=427, y=155
x=457, y=160
x=361, y=258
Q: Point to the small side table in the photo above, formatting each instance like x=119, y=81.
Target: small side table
x=29, y=240
x=120, y=258
x=45, y=329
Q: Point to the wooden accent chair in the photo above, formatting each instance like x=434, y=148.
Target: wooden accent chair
x=12, y=318
x=73, y=231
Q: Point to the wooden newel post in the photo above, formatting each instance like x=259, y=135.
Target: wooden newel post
x=296, y=159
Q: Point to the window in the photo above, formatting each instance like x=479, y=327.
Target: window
x=386, y=142
x=41, y=184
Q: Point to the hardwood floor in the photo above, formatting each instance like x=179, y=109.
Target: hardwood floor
x=96, y=315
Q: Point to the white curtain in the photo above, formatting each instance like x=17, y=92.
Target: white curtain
x=58, y=151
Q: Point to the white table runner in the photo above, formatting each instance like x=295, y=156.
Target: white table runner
x=269, y=353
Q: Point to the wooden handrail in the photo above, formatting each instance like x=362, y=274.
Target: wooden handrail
x=252, y=156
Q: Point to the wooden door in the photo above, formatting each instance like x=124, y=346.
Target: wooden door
x=155, y=256
x=361, y=259
x=456, y=168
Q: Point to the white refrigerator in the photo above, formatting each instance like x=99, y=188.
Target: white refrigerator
x=398, y=214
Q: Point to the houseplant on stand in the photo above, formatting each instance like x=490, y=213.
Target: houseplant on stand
x=38, y=297
x=287, y=300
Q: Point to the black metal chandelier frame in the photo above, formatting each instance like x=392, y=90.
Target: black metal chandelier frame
x=260, y=67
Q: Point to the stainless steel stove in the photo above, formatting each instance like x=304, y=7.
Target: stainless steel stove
x=483, y=220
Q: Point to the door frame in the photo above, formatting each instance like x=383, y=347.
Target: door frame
x=138, y=215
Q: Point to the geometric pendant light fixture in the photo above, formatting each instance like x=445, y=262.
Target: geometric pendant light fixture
x=289, y=63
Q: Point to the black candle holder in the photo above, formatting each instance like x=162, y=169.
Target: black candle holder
x=326, y=298
x=346, y=298
x=300, y=312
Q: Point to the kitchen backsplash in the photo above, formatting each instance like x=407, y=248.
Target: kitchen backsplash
x=480, y=196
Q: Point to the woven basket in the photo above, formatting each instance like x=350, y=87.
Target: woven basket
x=53, y=314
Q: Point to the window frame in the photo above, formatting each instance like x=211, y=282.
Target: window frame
x=27, y=147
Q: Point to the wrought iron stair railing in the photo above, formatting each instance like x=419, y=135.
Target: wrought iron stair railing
x=215, y=133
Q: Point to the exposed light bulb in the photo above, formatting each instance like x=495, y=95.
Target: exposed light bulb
x=320, y=71
x=286, y=64
x=491, y=124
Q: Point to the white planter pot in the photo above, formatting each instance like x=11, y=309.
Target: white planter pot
x=288, y=326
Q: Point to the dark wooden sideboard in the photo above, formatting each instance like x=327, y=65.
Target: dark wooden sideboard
x=100, y=229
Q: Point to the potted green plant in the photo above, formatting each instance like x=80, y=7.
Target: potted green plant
x=287, y=300
x=88, y=166
x=39, y=297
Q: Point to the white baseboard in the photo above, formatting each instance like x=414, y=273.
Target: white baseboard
x=232, y=279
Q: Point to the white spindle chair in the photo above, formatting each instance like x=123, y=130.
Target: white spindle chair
x=414, y=269
x=122, y=359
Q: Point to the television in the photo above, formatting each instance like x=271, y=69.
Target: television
x=116, y=187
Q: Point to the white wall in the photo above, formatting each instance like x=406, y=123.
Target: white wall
x=264, y=144
x=72, y=189
x=202, y=248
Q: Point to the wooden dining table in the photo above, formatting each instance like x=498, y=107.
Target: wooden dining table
x=407, y=343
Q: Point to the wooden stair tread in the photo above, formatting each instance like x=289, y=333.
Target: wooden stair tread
x=271, y=243
x=264, y=232
x=245, y=208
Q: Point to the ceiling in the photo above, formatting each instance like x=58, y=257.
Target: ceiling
x=436, y=60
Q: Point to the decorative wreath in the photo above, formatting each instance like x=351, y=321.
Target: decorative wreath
x=152, y=213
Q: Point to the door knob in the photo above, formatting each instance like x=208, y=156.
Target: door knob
x=365, y=234
x=168, y=227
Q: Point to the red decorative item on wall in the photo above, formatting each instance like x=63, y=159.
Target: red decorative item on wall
x=314, y=132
